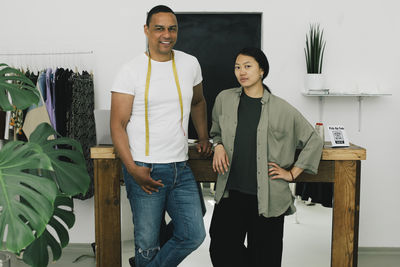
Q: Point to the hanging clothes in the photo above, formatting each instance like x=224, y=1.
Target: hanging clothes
x=80, y=124
x=63, y=96
x=36, y=114
x=67, y=104
x=2, y=124
x=318, y=192
x=32, y=76
x=50, y=99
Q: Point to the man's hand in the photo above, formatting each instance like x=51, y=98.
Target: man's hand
x=198, y=110
x=143, y=179
x=204, y=147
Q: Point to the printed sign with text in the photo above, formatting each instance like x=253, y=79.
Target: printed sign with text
x=338, y=136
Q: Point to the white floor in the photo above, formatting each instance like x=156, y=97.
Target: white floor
x=306, y=243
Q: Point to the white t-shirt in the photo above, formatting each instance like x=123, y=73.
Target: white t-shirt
x=168, y=141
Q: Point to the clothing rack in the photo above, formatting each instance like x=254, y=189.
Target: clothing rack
x=78, y=60
x=48, y=53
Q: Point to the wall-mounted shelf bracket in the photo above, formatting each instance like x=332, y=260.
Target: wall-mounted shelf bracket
x=360, y=98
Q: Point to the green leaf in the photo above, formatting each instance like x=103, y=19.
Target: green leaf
x=16, y=184
x=66, y=158
x=40, y=245
x=315, y=48
x=67, y=217
x=322, y=57
x=22, y=91
x=37, y=255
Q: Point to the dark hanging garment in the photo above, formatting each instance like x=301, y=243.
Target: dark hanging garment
x=80, y=123
x=63, y=95
x=2, y=124
x=318, y=192
x=32, y=76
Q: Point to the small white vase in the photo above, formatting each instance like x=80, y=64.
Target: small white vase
x=314, y=81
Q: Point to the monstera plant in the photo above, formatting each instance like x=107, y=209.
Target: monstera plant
x=37, y=181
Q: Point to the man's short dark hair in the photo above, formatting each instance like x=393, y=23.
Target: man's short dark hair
x=157, y=9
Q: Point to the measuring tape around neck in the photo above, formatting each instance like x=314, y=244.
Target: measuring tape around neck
x=146, y=98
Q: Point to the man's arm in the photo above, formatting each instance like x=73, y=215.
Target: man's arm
x=121, y=107
x=199, y=118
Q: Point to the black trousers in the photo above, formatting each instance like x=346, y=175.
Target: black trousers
x=233, y=218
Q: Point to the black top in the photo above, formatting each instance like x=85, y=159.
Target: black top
x=63, y=97
x=243, y=174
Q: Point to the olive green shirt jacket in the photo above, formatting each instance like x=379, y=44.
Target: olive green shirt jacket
x=281, y=130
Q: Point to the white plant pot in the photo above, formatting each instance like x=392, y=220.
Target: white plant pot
x=314, y=81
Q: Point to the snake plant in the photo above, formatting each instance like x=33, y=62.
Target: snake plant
x=37, y=180
x=315, y=48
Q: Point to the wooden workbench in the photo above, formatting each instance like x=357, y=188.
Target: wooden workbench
x=341, y=166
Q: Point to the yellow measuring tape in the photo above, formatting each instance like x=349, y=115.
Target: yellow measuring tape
x=146, y=98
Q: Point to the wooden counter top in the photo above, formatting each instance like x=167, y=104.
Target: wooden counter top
x=352, y=152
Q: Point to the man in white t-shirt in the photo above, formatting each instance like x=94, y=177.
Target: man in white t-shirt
x=152, y=98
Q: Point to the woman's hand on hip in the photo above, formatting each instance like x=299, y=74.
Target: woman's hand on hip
x=220, y=160
x=276, y=172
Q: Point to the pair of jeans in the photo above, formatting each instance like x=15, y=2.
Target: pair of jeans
x=180, y=198
x=234, y=218
x=166, y=230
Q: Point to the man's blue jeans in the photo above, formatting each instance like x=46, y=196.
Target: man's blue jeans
x=180, y=198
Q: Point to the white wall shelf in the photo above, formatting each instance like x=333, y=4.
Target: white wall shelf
x=347, y=94
x=360, y=97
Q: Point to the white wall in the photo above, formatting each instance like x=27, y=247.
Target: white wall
x=363, y=52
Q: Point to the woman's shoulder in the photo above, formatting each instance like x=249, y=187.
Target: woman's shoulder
x=230, y=92
x=281, y=104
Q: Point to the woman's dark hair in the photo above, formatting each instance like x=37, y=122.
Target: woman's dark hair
x=157, y=9
x=261, y=59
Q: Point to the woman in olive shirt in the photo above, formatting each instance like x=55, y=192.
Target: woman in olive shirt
x=255, y=135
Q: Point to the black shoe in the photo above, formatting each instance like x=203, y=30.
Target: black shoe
x=132, y=262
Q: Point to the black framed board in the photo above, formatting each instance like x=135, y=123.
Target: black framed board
x=215, y=39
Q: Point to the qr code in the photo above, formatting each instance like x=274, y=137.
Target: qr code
x=338, y=136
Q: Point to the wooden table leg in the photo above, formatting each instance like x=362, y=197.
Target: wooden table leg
x=107, y=212
x=345, y=213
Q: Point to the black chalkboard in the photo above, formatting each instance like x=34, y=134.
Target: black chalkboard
x=215, y=39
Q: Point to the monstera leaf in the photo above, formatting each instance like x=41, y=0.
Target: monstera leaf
x=66, y=158
x=32, y=175
x=23, y=92
x=17, y=160
x=36, y=254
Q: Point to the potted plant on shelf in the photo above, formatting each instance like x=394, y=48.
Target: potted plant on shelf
x=314, y=52
x=37, y=181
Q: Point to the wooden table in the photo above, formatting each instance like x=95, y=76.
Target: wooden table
x=341, y=166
